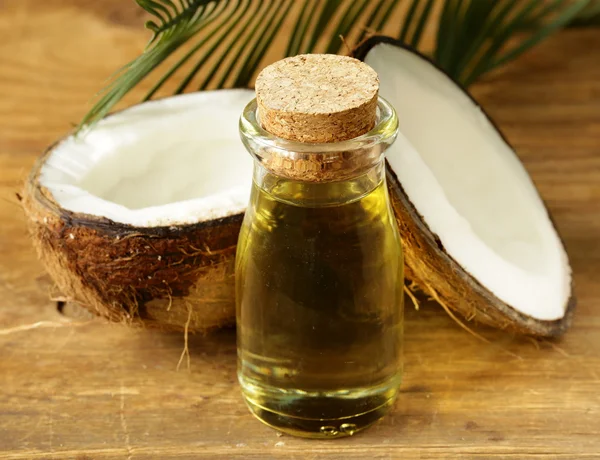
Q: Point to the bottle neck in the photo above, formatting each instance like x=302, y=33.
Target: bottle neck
x=315, y=171
x=318, y=194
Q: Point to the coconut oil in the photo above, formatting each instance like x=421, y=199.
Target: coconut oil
x=319, y=269
x=319, y=283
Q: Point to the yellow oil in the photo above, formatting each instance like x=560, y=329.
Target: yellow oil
x=319, y=289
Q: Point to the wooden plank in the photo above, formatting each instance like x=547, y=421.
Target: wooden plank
x=87, y=390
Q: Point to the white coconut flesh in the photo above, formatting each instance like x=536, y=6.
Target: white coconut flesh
x=167, y=162
x=179, y=161
x=470, y=188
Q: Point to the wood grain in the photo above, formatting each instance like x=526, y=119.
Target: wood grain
x=83, y=389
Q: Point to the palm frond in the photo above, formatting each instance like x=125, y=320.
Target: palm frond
x=174, y=25
x=494, y=33
x=589, y=16
x=227, y=40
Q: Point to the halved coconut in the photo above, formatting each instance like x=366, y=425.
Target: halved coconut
x=137, y=219
x=476, y=234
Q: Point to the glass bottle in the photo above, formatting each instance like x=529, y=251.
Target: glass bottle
x=319, y=284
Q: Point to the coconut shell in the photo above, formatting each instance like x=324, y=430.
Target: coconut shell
x=439, y=276
x=434, y=271
x=168, y=277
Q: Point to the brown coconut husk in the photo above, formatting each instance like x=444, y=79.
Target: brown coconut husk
x=163, y=277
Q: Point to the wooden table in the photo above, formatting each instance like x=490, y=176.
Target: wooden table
x=81, y=389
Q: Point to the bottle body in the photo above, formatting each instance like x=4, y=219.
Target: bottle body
x=319, y=287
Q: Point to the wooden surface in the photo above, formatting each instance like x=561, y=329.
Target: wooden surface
x=81, y=389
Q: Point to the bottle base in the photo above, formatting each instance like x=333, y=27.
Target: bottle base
x=319, y=414
x=318, y=428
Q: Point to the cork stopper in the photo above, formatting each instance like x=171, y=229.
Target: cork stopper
x=317, y=98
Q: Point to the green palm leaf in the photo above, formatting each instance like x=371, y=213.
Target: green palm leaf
x=589, y=16
x=227, y=41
